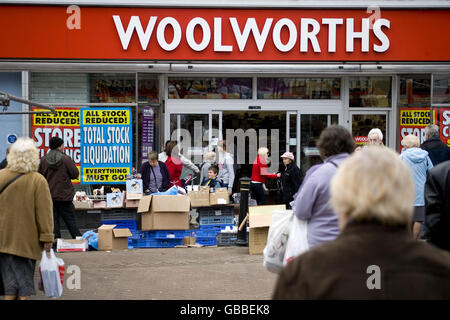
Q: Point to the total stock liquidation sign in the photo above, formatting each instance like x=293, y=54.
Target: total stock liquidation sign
x=99, y=140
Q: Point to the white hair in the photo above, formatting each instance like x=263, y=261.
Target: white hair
x=410, y=141
x=23, y=156
x=263, y=151
x=373, y=184
x=376, y=131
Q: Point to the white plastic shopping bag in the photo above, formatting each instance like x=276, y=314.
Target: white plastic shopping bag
x=51, y=272
x=298, y=240
x=277, y=238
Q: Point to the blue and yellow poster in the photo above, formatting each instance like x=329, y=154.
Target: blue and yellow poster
x=106, y=145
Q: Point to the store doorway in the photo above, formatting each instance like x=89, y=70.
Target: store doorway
x=250, y=130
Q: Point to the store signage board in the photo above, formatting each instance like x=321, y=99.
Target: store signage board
x=444, y=128
x=106, y=138
x=218, y=34
x=65, y=123
x=147, y=132
x=414, y=121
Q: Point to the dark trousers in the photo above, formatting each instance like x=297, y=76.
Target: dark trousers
x=257, y=192
x=66, y=211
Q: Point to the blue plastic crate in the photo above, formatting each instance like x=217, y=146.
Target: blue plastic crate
x=157, y=243
x=226, y=239
x=208, y=233
x=207, y=241
x=217, y=227
x=136, y=234
x=216, y=220
x=121, y=224
x=165, y=234
x=220, y=211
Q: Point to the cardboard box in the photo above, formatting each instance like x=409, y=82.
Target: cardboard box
x=259, y=219
x=132, y=200
x=71, y=245
x=199, y=198
x=135, y=186
x=112, y=239
x=189, y=241
x=161, y=212
x=114, y=200
x=98, y=204
x=220, y=196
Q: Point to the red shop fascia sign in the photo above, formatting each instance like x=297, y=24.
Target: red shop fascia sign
x=44, y=32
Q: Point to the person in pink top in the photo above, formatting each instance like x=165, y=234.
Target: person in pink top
x=259, y=176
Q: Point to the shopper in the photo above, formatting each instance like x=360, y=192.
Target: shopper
x=226, y=166
x=173, y=163
x=155, y=175
x=259, y=176
x=291, y=178
x=26, y=219
x=419, y=163
x=312, y=201
x=437, y=150
x=374, y=256
x=375, y=137
x=59, y=169
x=437, y=206
x=212, y=180
x=185, y=161
x=208, y=159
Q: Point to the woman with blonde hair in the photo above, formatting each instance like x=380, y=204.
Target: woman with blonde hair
x=374, y=256
x=26, y=219
x=419, y=164
x=259, y=176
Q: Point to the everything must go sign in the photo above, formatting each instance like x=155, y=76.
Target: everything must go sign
x=99, y=140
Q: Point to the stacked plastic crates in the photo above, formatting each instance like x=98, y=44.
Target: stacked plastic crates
x=158, y=238
x=212, y=221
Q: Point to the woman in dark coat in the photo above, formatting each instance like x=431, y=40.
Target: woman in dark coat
x=155, y=175
x=374, y=257
x=291, y=178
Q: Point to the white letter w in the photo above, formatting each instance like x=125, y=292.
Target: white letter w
x=135, y=23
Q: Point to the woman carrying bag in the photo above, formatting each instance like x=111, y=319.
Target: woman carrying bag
x=26, y=219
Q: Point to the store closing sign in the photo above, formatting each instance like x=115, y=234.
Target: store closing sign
x=106, y=145
x=414, y=121
x=65, y=123
x=445, y=125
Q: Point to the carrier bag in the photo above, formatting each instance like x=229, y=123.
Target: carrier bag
x=298, y=240
x=51, y=272
x=277, y=239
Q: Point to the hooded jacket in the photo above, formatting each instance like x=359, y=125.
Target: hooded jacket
x=419, y=164
x=59, y=169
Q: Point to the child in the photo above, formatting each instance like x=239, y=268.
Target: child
x=211, y=181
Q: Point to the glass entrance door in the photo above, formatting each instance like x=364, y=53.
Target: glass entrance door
x=196, y=134
x=311, y=126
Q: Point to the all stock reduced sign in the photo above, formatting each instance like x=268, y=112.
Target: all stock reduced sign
x=106, y=145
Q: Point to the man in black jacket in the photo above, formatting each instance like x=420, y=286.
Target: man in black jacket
x=437, y=206
x=437, y=150
x=59, y=169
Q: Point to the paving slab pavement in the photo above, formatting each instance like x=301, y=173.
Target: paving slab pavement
x=207, y=273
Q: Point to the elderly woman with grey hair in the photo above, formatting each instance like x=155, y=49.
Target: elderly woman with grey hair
x=374, y=256
x=26, y=219
x=419, y=163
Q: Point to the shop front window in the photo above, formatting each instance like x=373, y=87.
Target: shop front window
x=370, y=92
x=299, y=88
x=415, y=90
x=59, y=87
x=210, y=88
x=112, y=88
x=148, y=88
x=363, y=123
x=441, y=89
